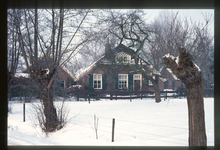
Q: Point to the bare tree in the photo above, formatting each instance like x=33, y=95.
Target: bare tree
x=171, y=32
x=46, y=45
x=13, y=54
x=131, y=29
x=13, y=46
x=190, y=74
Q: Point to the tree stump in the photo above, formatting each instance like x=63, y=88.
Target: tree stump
x=190, y=74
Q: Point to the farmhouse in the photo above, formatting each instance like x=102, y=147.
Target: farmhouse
x=116, y=71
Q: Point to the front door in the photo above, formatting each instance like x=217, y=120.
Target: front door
x=137, y=85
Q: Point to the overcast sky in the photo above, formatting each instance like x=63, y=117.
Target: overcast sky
x=196, y=14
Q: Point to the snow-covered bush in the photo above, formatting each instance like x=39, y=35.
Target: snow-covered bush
x=62, y=115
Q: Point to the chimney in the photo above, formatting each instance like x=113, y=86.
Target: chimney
x=107, y=47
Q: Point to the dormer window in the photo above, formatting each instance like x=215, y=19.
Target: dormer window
x=123, y=58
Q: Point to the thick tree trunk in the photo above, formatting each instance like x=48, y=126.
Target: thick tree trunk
x=157, y=91
x=186, y=70
x=50, y=113
x=197, y=135
x=46, y=95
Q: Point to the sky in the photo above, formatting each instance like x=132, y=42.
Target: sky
x=196, y=14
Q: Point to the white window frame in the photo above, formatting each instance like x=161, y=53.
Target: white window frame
x=97, y=78
x=124, y=78
x=139, y=78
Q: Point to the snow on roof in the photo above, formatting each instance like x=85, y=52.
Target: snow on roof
x=68, y=72
x=83, y=71
x=24, y=75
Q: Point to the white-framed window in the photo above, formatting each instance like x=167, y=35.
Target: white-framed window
x=137, y=83
x=123, y=58
x=122, y=81
x=97, y=81
x=137, y=76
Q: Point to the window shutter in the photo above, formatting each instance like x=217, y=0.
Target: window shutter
x=130, y=82
x=174, y=84
x=165, y=84
x=147, y=82
x=104, y=81
x=116, y=82
x=90, y=81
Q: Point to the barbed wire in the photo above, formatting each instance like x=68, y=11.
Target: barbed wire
x=144, y=123
x=138, y=132
x=134, y=136
x=133, y=131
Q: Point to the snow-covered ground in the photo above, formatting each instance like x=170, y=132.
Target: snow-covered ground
x=137, y=123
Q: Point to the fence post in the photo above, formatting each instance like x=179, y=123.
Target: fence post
x=113, y=129
x=77, y=96
x=24, y=111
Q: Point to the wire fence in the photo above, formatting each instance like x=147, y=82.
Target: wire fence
x=124, y=128
x=144, y=123
x=128, y=132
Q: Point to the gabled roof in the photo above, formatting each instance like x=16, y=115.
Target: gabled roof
x=107, y=60
x=123, y=48
x=68, y=72
x=82, y=71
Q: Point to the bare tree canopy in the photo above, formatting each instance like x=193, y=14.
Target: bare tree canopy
x=172, y=31
x=48, y=39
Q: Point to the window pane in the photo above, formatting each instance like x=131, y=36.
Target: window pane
x=97, y=81
x=95, y=76
x=122, y=82
x=137, y=77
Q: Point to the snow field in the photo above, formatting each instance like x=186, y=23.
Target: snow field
x=137, y=123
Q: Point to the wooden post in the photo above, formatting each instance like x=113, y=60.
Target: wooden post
x=113, y=129
x=130, y=98
x=24, y=111
x=89, y=98
x=77, y=96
